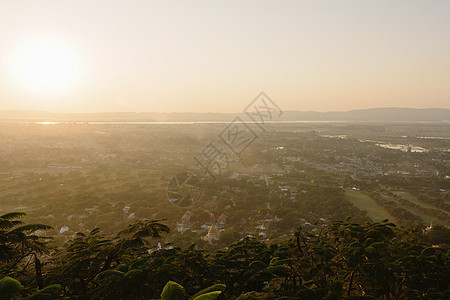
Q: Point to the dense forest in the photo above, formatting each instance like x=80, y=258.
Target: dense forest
x=345, y=260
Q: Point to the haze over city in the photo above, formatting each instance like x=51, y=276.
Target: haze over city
x=212, y=56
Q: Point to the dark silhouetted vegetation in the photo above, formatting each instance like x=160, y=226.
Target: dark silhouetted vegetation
x=344, y=260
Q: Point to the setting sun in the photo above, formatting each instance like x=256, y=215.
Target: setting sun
x=46, y=65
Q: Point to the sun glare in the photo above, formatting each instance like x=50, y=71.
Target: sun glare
x=46, y=65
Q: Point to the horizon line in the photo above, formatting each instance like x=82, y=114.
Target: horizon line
x=193, y=112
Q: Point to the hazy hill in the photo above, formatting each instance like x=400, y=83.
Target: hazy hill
x=372, y=114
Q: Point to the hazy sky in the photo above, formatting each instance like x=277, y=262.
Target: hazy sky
x=218, y=55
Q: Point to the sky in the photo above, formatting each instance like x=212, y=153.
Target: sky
x=216, y=56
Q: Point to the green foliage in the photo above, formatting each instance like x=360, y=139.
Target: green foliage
x=214, y=288
x=48, y=293
x=249, y=296
x=345, y=260
x=13, y=215
x=18, y=239
x=9, y=287
x=257, y=265
x=208, y=296
x=279, y=270
x=172, y=291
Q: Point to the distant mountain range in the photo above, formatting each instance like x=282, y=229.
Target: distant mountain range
x=372, y=114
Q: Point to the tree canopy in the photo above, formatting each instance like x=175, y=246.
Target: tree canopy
x=345, y=260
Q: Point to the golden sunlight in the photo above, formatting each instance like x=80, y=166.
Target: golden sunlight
x=46, y=65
